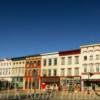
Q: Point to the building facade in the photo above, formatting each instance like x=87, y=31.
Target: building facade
x=18, y=71
x=79, y=67
x=50, y=68
x=5, y=72
x=32, y=77
x=70, y=68
x=90, y=63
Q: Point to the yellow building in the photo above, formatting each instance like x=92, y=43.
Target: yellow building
x=18, y=71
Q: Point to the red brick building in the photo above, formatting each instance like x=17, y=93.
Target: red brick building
x=32, y=77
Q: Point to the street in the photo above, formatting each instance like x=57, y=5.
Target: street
x=61, y=95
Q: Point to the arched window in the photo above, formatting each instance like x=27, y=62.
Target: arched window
x=91, y=57
x=97, y=57
x=85, y=58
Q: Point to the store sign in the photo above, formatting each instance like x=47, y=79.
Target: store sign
x=50, y=79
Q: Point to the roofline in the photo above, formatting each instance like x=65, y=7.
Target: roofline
x=89, y=45
x=5, y=59
x=33, y=55
x=24, y=57
x=50, y=53
x=69, y=52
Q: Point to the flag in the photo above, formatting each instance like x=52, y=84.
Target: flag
x=91, y=74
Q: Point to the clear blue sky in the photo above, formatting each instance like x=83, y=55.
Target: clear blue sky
x=37, y=26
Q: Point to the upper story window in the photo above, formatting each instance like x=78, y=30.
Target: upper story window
x=38, y=62
x=35, y=73
x=62, y=60
x=27, y=62
x=9, y=63
x=55, y=61
x=49, y=62
x=97, y=57
x=49, y=72
x=97, y=67
x=76, y=59
x=85, y=58
x=55, y=72
x=76, y=71
x=22, y=70
x=91, y=57
x=35, y=63
x=69, y=72
x=44, y=62
x=91, y=68
x=85, y=68
x=31, y=62
x=6, y=64
x=69, y=60
x=44, y=72
x=62, y=72
x=16, y=62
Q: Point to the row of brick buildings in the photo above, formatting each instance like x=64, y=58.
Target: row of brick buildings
x=61, y=68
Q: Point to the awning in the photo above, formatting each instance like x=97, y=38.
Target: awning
x=96, y=76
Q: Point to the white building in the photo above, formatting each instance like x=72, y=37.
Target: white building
x=5, y=73
x=70, y=72
x=18, y=71
x=90, y=63
x=50, y=68
x=61, y=67
x=6, y=70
